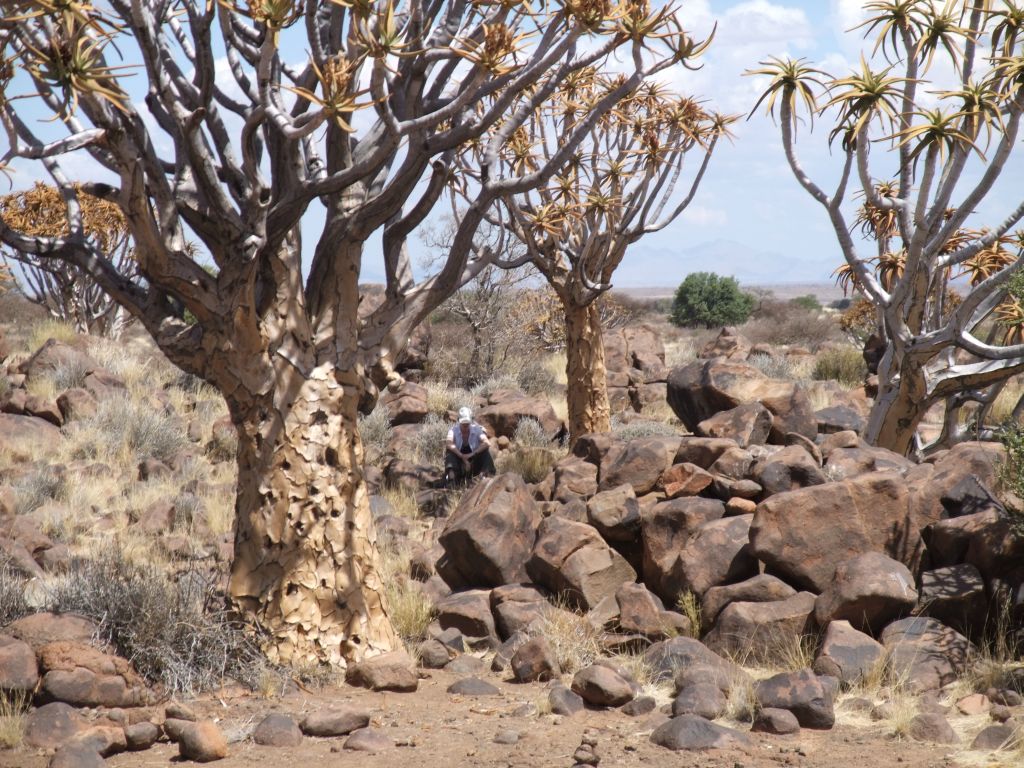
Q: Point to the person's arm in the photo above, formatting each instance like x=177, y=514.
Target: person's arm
x=484, y=443
x=449, y=444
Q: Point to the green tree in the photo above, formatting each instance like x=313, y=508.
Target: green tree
x=707, y=299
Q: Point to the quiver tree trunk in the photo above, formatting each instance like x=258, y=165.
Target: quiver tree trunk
x=306, y=560
x=587, y=378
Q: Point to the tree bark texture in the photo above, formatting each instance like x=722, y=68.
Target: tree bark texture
x=898, y=410
x=587, y=379
x=305, y=565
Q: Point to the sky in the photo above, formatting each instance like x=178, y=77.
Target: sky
x=750, y=218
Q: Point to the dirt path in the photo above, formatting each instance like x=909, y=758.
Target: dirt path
x=434, y=729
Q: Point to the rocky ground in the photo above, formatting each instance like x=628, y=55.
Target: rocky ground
x=732, y=572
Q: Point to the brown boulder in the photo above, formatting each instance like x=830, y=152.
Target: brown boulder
x=846, y=654
x=665, y=529
x=469, y=612
x=641, y=612
x=728, y=343
x=702, y=451
x=762, y=588
x=505, y=408
x=52, y=724
x=955, y=595
x=573, y=559
x=84, y=676
x=684, y=480
x=406, y=404
x=802, y=535
x=517, y=607
x=931, y=727
x=334, y=722
x=202, y=742
x=803, y=693
x=869, y=591
x=40, y=629
x=392, y=671
x=716, y=553
x=926, y=653
x=54, y=355
x=665, y=659
x=747, y=424
x=19, y=672
x=692, y=732
x=535, y=661
x=787, y=470
x=277, y=730
x=490, y=536
x=601, y=686
x=762, y=631
x=574, y=478
x=640, y=463
x=615, y=514
x=76, y=403
x=26, y=437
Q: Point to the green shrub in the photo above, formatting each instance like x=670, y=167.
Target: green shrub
x=809, y=303
x=1011, y=474
x=843, y=364
x=706, y=299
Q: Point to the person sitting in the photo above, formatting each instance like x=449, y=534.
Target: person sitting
x=467, y=450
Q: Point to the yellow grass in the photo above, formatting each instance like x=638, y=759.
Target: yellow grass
x=13, y=707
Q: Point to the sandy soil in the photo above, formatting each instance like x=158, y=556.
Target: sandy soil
x=434, y=729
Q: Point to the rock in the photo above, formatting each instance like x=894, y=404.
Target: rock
x=466, y=666
x=703, y=388
x=473, y=686
x=19, y=672
x=975, y=704
x=517, y=607
x=368, y=740
x=925, y=653
x=931, y=727
x=665, y=530
x=572, y=559
x=40, y=629
x=993, y=737
x=50, y=725
x=392, y=671
x=564, y=701
x=665, y=659
x=639, y=463
x=787, y=470
x=729, y=343
x=105, y=740
x=747, y=424
x=600, y=686
x=176, y=710
x=490, y=536
x=54, y=355
x=277, y=730
x=574, y=478
x=684, y=480
x=846, y=654
x=955, y=595
x=780, y=722
x=839, y=418
x=468, y=612
x=76, y=756
x=642, y=612
x=202, y=742
x=432, y=654
x=334, y=722
x=535, y=661
x=702, y=699
x=802, y=535
x=757, y=589
x=25, y=437
x=869, y=591
x=762, y=631
x=691, y=732
x=718, y=552
x=505, y=408
x=803, y=694
x=140, y=736
x=641, y=705
x=615, y=513
x=407, y=404
x=86, y=677
x=703, y=451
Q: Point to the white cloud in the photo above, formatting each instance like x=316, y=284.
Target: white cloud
x=703, y=216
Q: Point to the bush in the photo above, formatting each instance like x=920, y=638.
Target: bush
x=427, y=443
x=1011, y=474
x=779, y=322
x=133, y=430
x=706, y=299
x=808, y=303
x=172, y=631
x=12, y=595
x=39, y=486
x=843, y=364
x=635, y=428
x=375, y=430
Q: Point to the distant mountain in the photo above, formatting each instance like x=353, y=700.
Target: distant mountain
x=646, y=266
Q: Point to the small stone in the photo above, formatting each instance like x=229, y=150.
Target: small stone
x=602, y=687
x=975, y=704
x=334, y=722
x=932, y=727
x=1000, y=713
x=642, y=705
x=368, y=740
x=506, y=736
x=994, y=737
x=473, y=686
x=141, y=736
x=202, y=742
x=778, y=721
x=277, y=730
x=175, y=710
x=565, y=702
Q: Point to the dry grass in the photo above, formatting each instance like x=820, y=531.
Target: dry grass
x=573, y=639
x=410, y=611
x=689, y=605
x=1002, y=408
x=13, y=707
x=45, y=330
x=782, y=652
x=660, y=689
x=402, y=500
x=843, y=364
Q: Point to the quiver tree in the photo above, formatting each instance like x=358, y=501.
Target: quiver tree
x=64, y=290
x=625, y=180
x=922, y=172
x=224, y=163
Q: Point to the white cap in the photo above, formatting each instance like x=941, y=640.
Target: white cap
x=465, y=415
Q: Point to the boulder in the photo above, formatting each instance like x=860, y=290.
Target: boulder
x=641, y=612
x=728, y=343
x=702, y=699
x=19, y=672
x=277, y=730
x=665, y=529
x=955, y=595
x=762, y=588
x=601, y=686
x=931, y=727
x=703, y=388
x=517, y=608
x=84, y=676
x=564, y=701
x=780, y=722
x=141, y=736
x=664, y=660
x=747, y=424
x=691, y=732
x=535, y=661
x=54, y=355
x=50, y=725
x=26, y=437
x=949, y=540
x=334, y=722
x=803, y=693
x=787, y=470
x=802, y=535
x=392, y=671
x=573, y=559
x=999, y=736
x=202, y=742
x=76, y=403
x=762, y=631
x=716, y=553
x=574, y=478
x=505, y=408
x=615, y=513
x=869, y=591
x=846, y=462
x=684, y=480
x=702, y=451
x=406, y=404
x=925, y=653
x=469, y=612
x=847, y=654
x=640, y=463
x=76, y=756
x=472, y=686
x=490, y=536
x=839, y=418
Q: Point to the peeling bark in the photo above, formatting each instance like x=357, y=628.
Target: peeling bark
x=587, y=390
x=305, y=564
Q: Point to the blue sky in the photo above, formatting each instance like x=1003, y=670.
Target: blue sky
x=750, y=218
